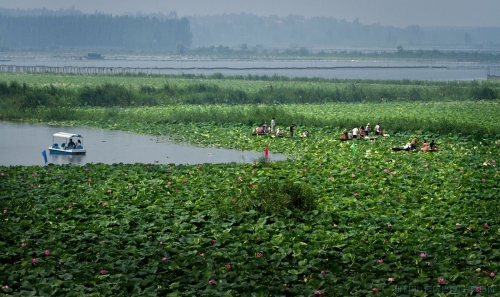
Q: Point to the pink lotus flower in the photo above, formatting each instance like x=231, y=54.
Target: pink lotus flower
x=109, y=191
x=458, y=224
x=87, y=169
x=331, y=177
x=164, y=259
x=317, y=292
x=169, y=183
x=4, y=211
x=214, y=241
x=130, y=187
x=478, y=289
x=423, y=255
x=441, y=280
x=486, y=225
x=228, y=266
x=103, y=271
x=47, y=252
x=89, y=180
x=161, y=242
x=202, y=254
x=3, y=173
x=335, y=225
x=234, y=200
x=380, y=260
x=492, y=274
x=211, y=282
x=389, y=225
x=355, y=194
x=258, y=238
x=483, y=179
x=260, y=255
x=184, y=180
x=369, y=172
x=353, y=175
x=70, y=206
x=390, y=279
x=105, y=204
x=23, y=244
x=319, y=165
x=469, y=228
x=375, y=290
x=59, y=209
x=485, y=272
x=35, y=260
x=323, y=272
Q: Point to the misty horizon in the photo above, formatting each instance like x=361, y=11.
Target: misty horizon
x=398, y=13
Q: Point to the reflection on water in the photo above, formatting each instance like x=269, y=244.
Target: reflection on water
x=23, y=143
x=65, y=159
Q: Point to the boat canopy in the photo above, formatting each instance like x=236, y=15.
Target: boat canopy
x=66, y=135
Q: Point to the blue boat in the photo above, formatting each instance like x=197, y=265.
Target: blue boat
x=70, y=144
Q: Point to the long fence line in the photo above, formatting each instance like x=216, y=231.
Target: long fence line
x=156, y=70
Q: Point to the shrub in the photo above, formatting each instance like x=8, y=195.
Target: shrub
x=277, y=196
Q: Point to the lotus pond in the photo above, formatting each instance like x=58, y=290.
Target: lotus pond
x=380, y=221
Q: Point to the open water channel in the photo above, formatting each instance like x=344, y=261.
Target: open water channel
x=23, y=143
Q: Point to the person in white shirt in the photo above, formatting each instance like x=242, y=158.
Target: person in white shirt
x=273, y=124
x=355, y=133
x=377, y=129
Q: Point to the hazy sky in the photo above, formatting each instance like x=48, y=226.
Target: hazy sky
x=385, y=12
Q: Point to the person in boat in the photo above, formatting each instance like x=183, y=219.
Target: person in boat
x=71, y=143
x=265, y=127
x=433, y=145
x=345, y=132
x=425, y=146
x=355, y=132
x=292, y=127
x=79, y=143
x=414, y=143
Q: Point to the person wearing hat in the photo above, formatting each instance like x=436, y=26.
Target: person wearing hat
x=367, y=129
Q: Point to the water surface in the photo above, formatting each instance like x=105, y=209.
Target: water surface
x=23, y=143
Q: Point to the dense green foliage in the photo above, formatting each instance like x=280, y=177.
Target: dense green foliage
x=93, y=31
x=382, y=220
x=337, y=218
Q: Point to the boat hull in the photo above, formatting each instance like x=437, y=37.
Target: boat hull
x=66, y=152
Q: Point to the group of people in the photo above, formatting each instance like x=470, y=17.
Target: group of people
x=413, y=145
x=265, y=129
x=361, y=132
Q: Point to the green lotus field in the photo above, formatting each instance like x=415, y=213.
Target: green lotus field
x=338, y=218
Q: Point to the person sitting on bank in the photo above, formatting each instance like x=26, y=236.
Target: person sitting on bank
x=305, y=134
x=71, y=144
x=279, y=132
x=414, y=143
x=425, y=146
x=349, y=135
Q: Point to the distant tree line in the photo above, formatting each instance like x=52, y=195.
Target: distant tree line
x=96, y=30
x=235, y=29
x=229, y=33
